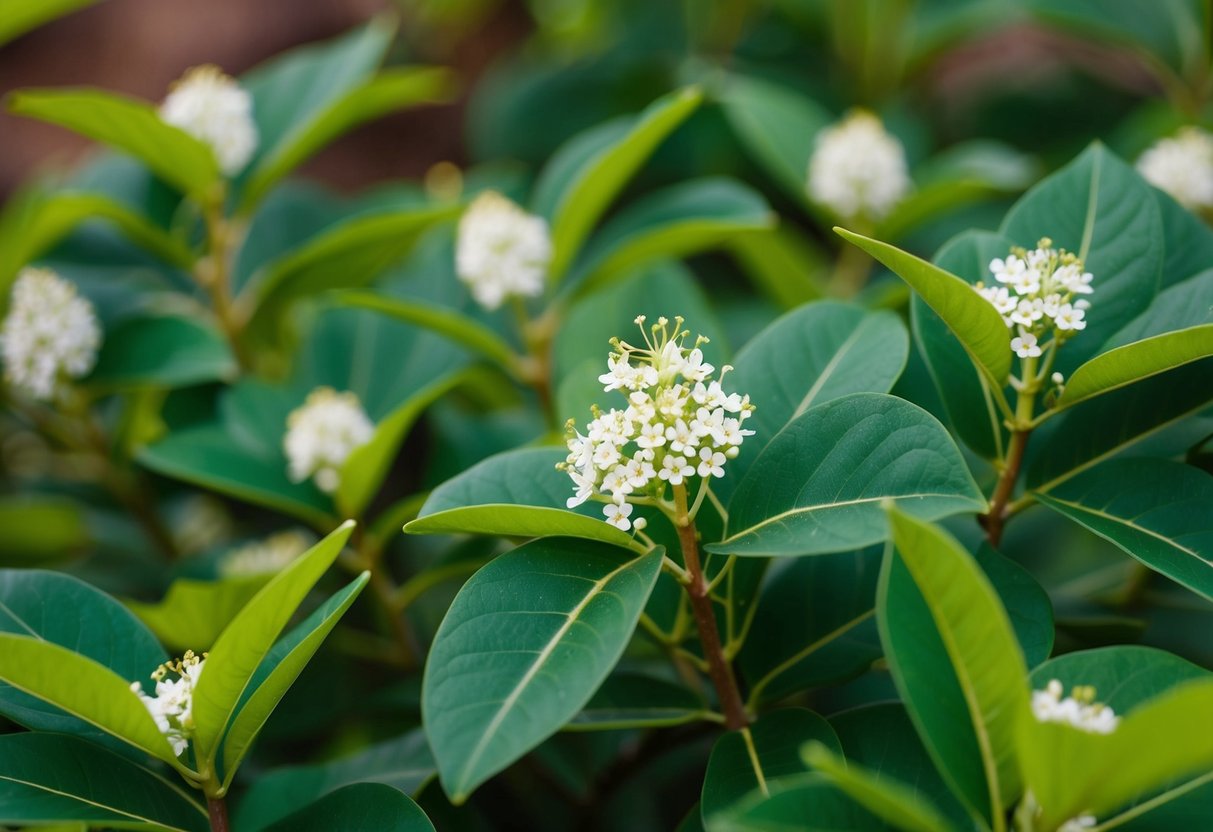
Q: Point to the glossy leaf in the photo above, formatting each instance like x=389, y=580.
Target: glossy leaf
x=404, y=763
x=243, y=645
x=279, y=670
x=163, y=351
x=1026, y=602
x=632, y=700
x=1136, y=361
x=1180, y=306
x=745, y=764
x=54, y=778
x=1160, y=512
x=193, y=613
x=970, y=317
x=20, y=16
x=577, y=186
x=525, y=644
x=128, y=125
x=359, y=806
x=796, y=803
x=818, y=486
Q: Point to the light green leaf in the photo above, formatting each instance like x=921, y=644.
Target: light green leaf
x=192, y=613
x=1159, y=511
x=162, y=351
x=20, y=16
x=393, y=89
x=279, y=670
x=358, y=806
x=39, y=528
x=241, y=647
x=818, y=486
x=882, y=796
x=83, y=688
x=403, y=762
x=525, y=644
x=784, y=264
x=633, y=700
x=53, y=778
x=128, y=125
x=975, y=323
x=577, y=186
x=980, y=644
x=1136, y=361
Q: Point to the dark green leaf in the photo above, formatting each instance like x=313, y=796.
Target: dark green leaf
x=359, y=806
x=164, y=351
x=632, y=700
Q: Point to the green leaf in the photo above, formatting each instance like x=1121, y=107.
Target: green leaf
x=980, y=645
x=633, y=700
x=1071, y=771
x=364, y=470
x=1134, y=362
x=1026, y=602
x=838, y=349
x=464, y=331
x=818, y=624
x=38, y=528
x=20, y=16
x=796, y=803
x=1171, y=34
x=31, y=604
x=818, y=486
x=1158, y=511
x=515, y=494
x=745, y=764
x=783, y=264
x=53, y=778
x=393, y=89
x=525, y=644
x=404, y=762
x=1181, y=305
x=192, y=613
x=970, y=317
x=128, y=125
x=162, y=351
x=1100, y=209
x=83, y=688
x=777, y=125
x=358, y=806
x=1187, y=241
x=895, y=802
x=672, y=223
x=279, y=670
x=586, y=174
x=242, y=646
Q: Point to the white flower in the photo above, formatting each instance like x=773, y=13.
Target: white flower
x=1078, y=824
x=617, y=515
x=1069, y=318
x=1026, y=282
x=1006, y=271
x=322, y=433
x=262, y=557
x=172, y=707
x=1078, y=709
x=215, y=109
x=695, y=368
x=585, y=487
x=49, y=336
x=1025, y=345
x=674, y=469
x=857, y=168
x=1057, y=378
x=502, y=251
x=711, y=463
x=1182, y=166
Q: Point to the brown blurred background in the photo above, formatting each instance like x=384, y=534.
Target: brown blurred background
x=139, y=47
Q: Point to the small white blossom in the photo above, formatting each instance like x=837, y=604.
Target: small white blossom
x=617, y=515
x=1078, y=824
x=1025, y=345
x=1069, y=317
x=263, y=557
x=679, y=423
x=1079, y=709
x=322, y=433
x=172, y=707
x=1182, y=166
x=49, y=336
x=502, y=251
x=858, y=169
x=213, y=108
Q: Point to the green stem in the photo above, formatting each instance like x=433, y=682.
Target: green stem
x=213, y=273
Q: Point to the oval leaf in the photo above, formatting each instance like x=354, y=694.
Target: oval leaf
x=1136, y=361
x=163, y=351
x=359, y=806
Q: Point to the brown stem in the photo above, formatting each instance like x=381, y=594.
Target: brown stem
x=216, y=808
x=719, y=668
x=995, y=519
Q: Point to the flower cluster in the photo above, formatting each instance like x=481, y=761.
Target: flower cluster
x=858, y=169
x=502, y=250
x=1079, y=824
x=262, y=557
x=322, y=433
x=1079, y=709
x=1182, y=166
x=679, y=423
x=213, y=108
x=173, y=705
x=1037, y=292
x=49, y=336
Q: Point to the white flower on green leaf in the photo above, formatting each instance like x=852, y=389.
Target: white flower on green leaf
x=172, y=706
x=1182, y=166
x=49, y=336
x=858, y=169
x=1079, y=709
x=213, y=108
x=264, y=557
x=322, y=433
x=502, y=251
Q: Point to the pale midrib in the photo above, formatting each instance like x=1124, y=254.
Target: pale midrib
x=20, y=621
x=1153, y=803
x=509, y=702
x=85, y=800
x=1123, y=521
x=1088, y=229
x=827, y=372
x=792, y=512
x=804, y=653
